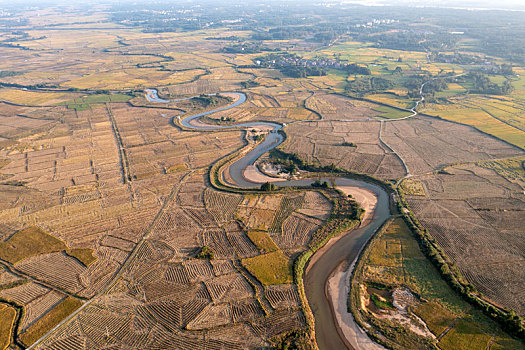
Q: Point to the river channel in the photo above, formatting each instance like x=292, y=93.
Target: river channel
x=323, y=263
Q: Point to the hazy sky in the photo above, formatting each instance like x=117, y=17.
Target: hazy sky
x=478, y=4
x=475, y=4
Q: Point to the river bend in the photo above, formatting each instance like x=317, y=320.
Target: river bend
x=324, y=262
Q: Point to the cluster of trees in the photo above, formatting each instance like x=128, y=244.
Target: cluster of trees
x=248, y=84
x=37, y=86
x=294, y=71
x=225, y=38
x=502, y=69
x=456, y=57
x=15, y=46
x=245, y=47
x=297, y=339
x=288, y=164
x=357, y=69
x=293, y=160
x=209, y=100
x=481, y=84
x=413, y=84
x=501, y=37
x=319, y=184
x=283, y=33
x=258, y=138
x=435, y=85
x=320, y=34
x=325, y=37
x=9, y=73
x=268, y=187
x=362, y=86
x=411, y=40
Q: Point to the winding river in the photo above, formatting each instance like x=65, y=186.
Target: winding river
x=327, y=259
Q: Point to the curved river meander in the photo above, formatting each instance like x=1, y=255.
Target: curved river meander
x=348, y=246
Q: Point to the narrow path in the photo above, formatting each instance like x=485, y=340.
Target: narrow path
x=124, y=164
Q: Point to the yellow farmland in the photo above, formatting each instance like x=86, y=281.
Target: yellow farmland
x=133, y=78
x=481, y=121
x=32, y=98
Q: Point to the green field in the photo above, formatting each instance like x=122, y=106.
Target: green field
x=263, y=241
x=394, y=259
x=391, y=113
x=84, y=255
x=270, y=268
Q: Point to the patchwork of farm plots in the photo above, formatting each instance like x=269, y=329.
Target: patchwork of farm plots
x=118, y=197
x=94, y=183
x=475, y=213
x=419, y=145
x=167, y=298
x=114, y=183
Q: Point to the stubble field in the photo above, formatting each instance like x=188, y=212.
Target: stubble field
x=120, y=199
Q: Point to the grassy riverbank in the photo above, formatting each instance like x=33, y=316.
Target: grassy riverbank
x=392, y=260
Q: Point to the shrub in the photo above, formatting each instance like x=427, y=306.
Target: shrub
x=205, y=253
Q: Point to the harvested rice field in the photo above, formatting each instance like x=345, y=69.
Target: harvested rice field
x=119, y=229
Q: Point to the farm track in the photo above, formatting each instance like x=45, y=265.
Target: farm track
x=329, y=324
x=124, y=163
x=305, y=102
x=412, y=110
x=132, y=256
x=381, y=125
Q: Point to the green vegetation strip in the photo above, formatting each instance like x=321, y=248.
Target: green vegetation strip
x=508, y=319
x=346, y=215
x=19, y=315
x=393, y=258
